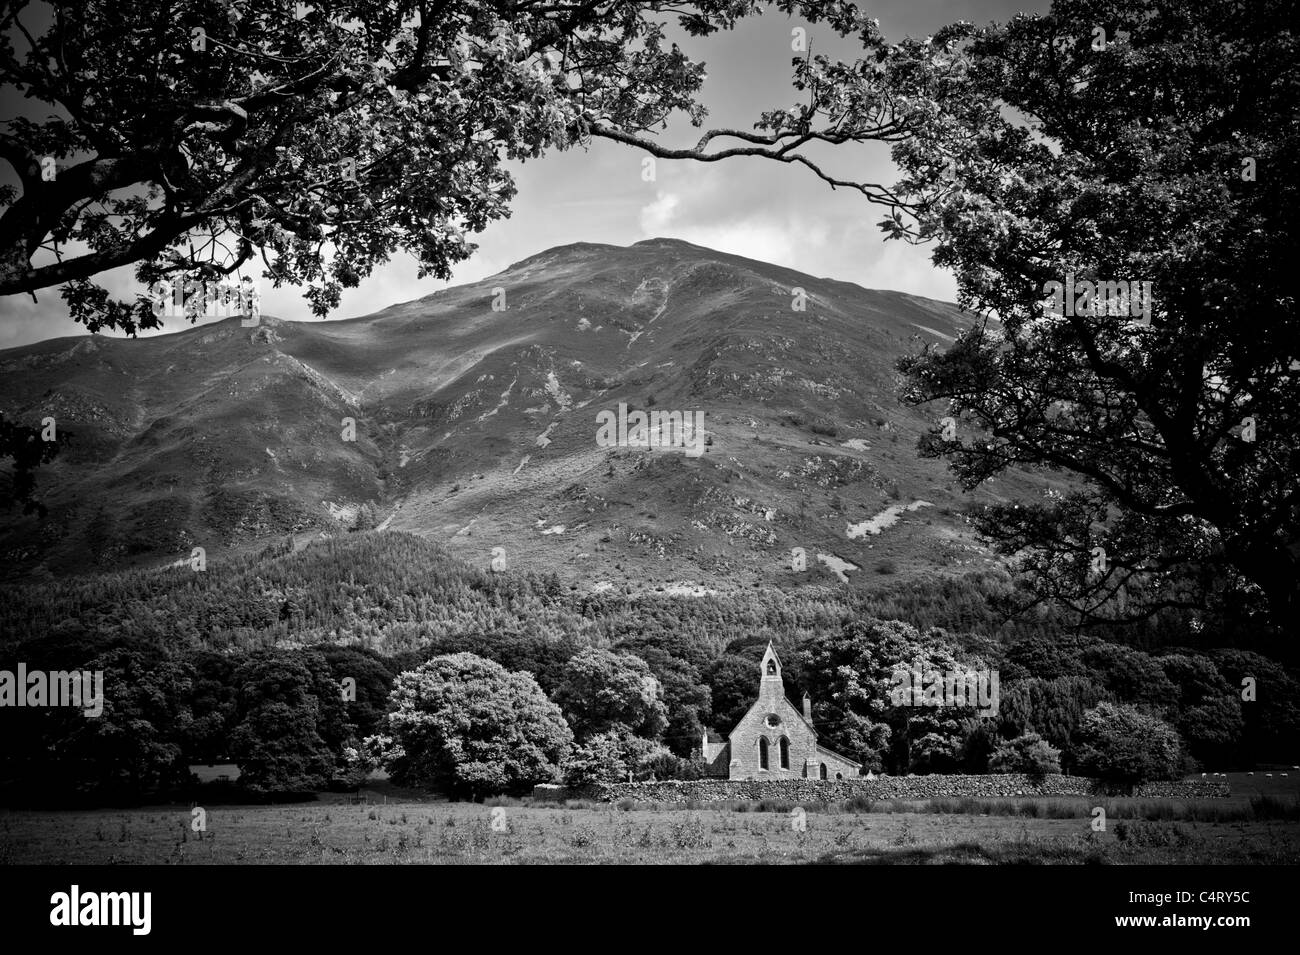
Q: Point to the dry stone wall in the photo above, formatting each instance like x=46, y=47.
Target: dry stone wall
x=882, y=787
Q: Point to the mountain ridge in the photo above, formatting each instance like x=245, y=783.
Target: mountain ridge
x=474, y=411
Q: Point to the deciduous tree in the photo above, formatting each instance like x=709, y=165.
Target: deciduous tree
x=603, y=690
x=472, y=728
x=311, y=140
x=1121, y=744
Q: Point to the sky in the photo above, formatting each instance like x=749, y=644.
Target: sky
x=754, y=207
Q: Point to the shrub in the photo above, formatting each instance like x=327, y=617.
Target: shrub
x=1119, y=743
x=598, y=760
x=609, y=757
x=979, y=740
x=1029, y=754
x=668, y=765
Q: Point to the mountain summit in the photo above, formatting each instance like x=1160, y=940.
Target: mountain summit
x=471, y=416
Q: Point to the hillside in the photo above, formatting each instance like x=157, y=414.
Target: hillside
x=476, y=428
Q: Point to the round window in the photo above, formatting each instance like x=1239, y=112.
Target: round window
x=773, y=719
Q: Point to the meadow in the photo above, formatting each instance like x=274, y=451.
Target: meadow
x=1259, y=824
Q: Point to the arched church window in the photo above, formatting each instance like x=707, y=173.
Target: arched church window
x=785, y=752
x=762, y=752
x=823, y=771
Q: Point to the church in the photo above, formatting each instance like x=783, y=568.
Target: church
x=774, y=739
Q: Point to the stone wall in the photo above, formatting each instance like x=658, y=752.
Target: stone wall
x=882, y=787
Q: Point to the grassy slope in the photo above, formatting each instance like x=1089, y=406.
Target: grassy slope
x=222, y=436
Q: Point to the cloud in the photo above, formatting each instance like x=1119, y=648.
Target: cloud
x=775, y=216
x=763, y=238
x=907, y=268
x=657, y=215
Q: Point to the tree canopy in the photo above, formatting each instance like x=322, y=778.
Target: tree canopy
x=315, y=139
x=1123, y=141
x=472, y=728
x=603, y=691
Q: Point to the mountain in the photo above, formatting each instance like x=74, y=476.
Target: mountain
x=475, y=413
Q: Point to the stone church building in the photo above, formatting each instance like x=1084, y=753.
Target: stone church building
x=775, y=740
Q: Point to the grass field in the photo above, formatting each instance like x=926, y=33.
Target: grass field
x=1261, y=826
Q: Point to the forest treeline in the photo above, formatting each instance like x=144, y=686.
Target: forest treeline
x=392, y=592
x=244, y=661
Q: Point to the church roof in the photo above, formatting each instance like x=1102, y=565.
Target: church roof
x=830, y=752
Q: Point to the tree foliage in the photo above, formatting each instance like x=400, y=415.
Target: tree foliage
x=316, y=139
x=1121, y=744
x=1208, y=710
x=605, y=691
x=1271, y=718
x=850, y=676
x=598, y=759
x=469, y=727
x=290, y=727
x=1044, y=154
x=187, y=666
x=23, y=447
x=613, y=755
x=1029, y=754
x=132, y=747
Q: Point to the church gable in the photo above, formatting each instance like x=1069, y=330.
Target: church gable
x=775, y=739
x=769, y=714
